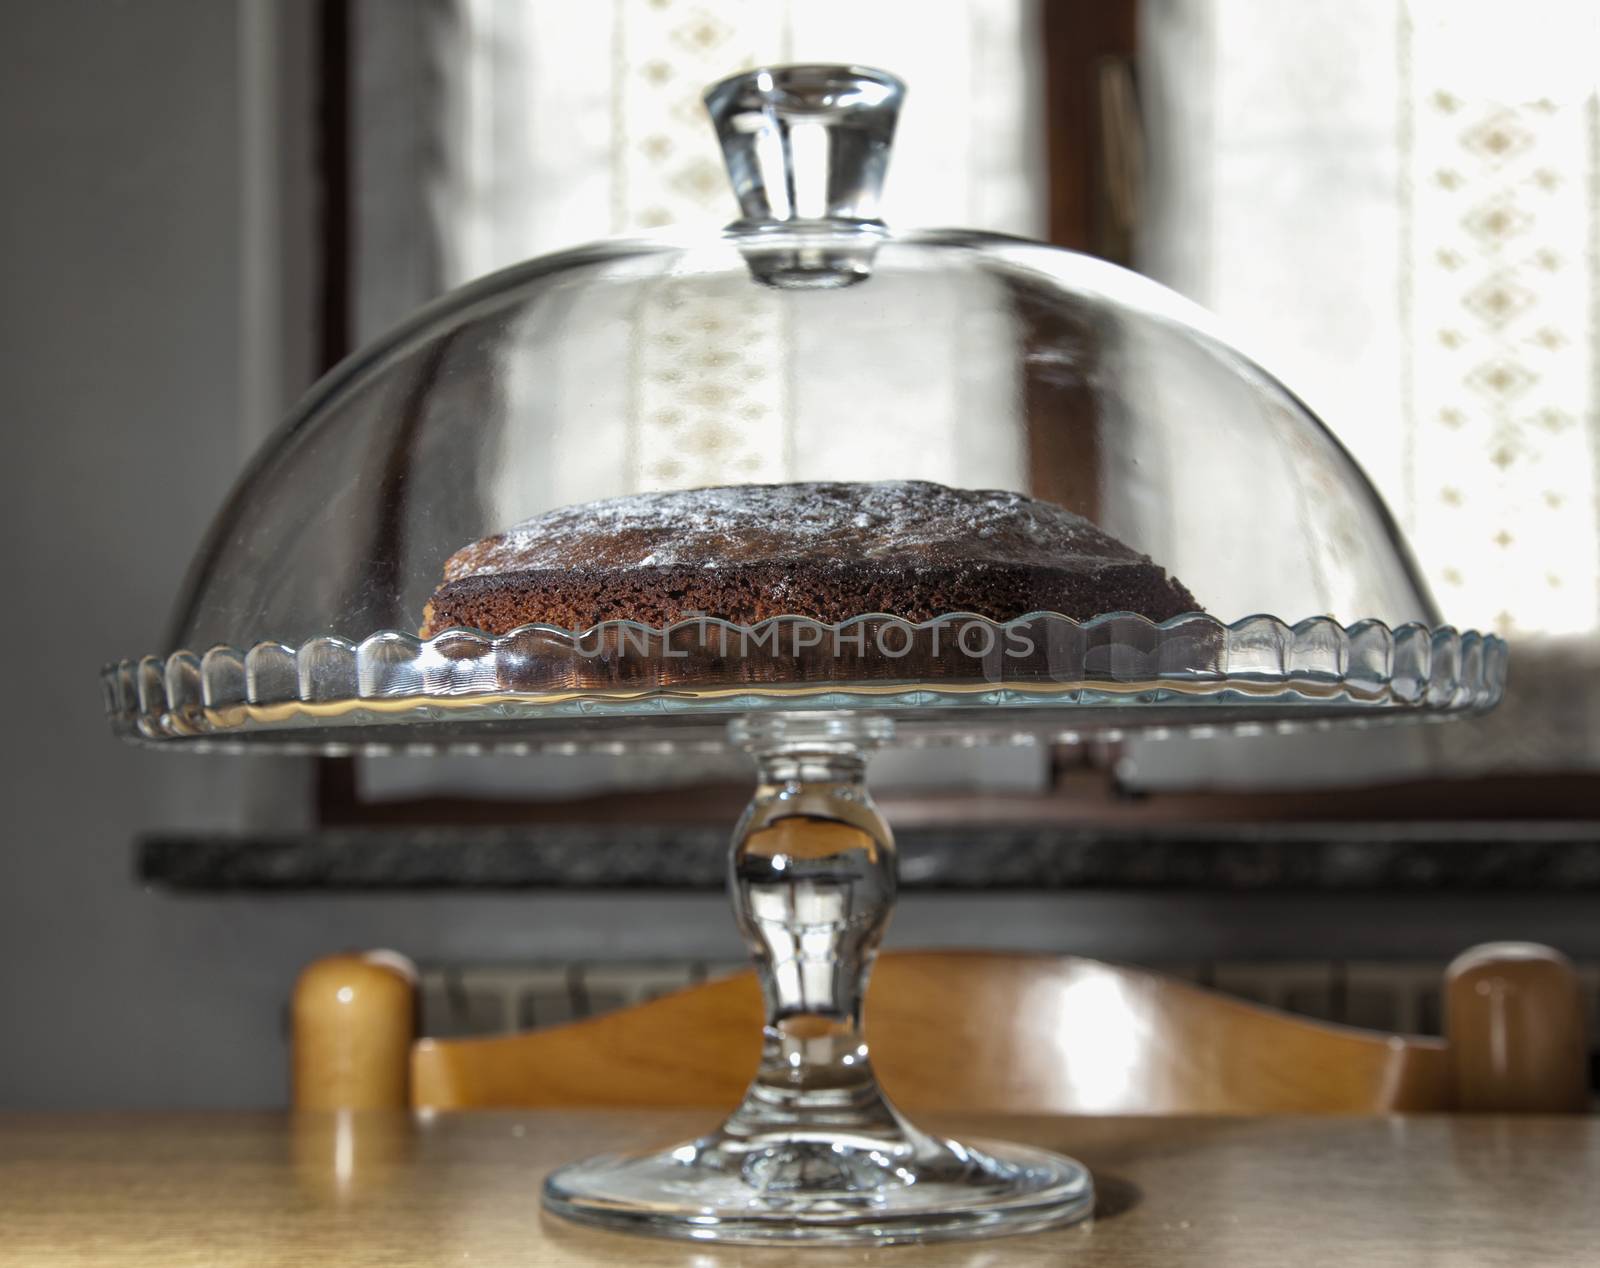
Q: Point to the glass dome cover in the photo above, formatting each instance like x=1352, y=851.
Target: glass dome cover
x=808, y=342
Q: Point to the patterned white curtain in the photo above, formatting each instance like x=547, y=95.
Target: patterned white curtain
x=1395, y=204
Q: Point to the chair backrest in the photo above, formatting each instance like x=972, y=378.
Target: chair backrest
x=983, y=1032
x=1029, y=1034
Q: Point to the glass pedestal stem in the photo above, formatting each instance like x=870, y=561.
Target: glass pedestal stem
x=812, y=877
x=815, y=1151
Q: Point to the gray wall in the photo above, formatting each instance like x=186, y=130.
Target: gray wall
x=119, y=358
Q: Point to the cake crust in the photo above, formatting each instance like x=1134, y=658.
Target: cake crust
x=831, y=551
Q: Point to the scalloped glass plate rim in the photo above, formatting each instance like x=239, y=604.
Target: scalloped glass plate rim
x=153, y=701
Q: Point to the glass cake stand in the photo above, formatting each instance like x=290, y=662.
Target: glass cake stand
x=809, y=341
x=815, y=1152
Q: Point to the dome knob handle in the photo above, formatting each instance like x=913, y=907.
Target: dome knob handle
x=807, y=144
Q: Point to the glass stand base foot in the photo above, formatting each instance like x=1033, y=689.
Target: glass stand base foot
x=828, y=1190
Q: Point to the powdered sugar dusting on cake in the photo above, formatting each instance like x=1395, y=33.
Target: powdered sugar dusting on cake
x=900, y=521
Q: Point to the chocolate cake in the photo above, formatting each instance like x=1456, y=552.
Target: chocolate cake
x=827, y=551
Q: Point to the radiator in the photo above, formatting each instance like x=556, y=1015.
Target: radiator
x=1398, y=996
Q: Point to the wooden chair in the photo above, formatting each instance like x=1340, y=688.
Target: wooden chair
x=973, y=1031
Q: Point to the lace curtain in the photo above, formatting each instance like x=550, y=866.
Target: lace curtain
x=1394, y=203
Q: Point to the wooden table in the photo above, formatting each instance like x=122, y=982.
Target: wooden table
x=263, y=1189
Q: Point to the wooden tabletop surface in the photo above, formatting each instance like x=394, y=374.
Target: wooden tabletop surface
x=264, y=1189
